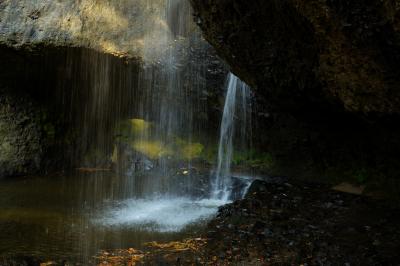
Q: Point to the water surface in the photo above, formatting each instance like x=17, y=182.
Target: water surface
x=74, y=217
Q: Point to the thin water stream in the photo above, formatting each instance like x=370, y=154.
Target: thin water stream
x=234, y=122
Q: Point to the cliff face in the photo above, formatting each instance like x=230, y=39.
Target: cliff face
x=326, y=75
x=129, y=28
x=326, y=53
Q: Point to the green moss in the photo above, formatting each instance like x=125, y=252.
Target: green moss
x=209, y=153
x=137, y=134
x=152, y=149
x=254, y=159
x=251, y=159
x=263, y=161
x=139, y=126
x=186, y=150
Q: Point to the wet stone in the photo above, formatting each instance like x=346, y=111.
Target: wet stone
x=268, y=225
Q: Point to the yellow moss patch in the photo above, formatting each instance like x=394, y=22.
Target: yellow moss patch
x=192, y=150
x=114, y=156
x=187, y=150
x=152, y=149
x=129, y=128
x=139, y=126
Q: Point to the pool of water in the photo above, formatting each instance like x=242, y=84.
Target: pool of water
x=72, y=218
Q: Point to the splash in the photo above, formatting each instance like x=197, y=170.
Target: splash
x=160, y=214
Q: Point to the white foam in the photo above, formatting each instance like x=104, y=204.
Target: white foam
x=159, y=214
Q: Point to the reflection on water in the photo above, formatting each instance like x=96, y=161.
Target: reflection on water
x=55, y=218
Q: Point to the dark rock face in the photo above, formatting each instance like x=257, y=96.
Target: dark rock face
x=325, y=53
x=52, y=89
x=257, y=49
x=326, y=80
x=21, y=139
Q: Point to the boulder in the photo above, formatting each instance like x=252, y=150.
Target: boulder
x=337, y=55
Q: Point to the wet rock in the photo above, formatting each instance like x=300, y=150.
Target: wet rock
x=268, y=225
x=256, y=187
x=257, y=36
x=106, y=27
x=22, y=140
x=239, y=186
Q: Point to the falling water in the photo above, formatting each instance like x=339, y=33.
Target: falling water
x=233, y=110
x=161, y=96
x=168, y=87
x=170, y=82
x=145, y=195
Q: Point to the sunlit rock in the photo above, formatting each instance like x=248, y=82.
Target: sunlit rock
x=123, y=28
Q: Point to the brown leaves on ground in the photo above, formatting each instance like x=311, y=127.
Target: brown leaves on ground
x=188, y=244
x=120, y=257
x=186, y=252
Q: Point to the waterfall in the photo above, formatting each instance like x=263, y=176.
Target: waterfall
x=133, y=132
x=170, y=81
x=236, y=90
